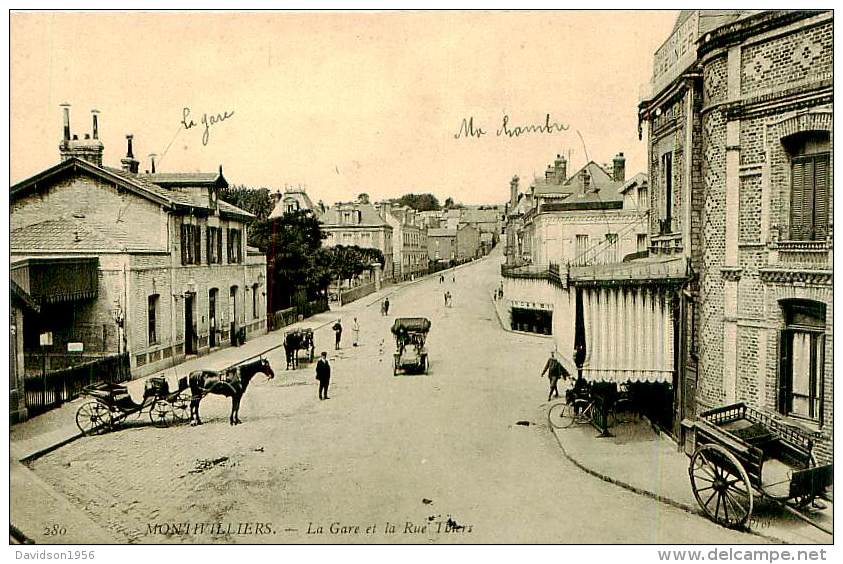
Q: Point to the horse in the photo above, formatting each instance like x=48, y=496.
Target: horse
x=293, y=342
x=230, y=383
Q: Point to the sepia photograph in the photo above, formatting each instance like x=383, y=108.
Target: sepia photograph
x=412, y=277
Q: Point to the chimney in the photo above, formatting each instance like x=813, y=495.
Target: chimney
x=619, y=168
x=129, y=162
x=586, y=181
x=71, y=146
x=66, y=108
x=549, y=173
x=561, y=167
x=152, y=161
x=95, y=130
x=513, y=192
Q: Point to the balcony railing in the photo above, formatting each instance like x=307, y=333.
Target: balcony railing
x=667, y=226
x=552, y=272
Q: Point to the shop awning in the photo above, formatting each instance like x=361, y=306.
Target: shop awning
x=622, y=376
x=51, y=280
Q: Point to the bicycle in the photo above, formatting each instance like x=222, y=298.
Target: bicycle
x=579, y=412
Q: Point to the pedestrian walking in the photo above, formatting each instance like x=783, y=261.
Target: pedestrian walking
x=446, y=298
x=355, y=327
x=323, y=374
x=337, y=333
x=386, y=306
x=554, y=370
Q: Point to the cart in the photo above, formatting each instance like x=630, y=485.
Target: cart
x=110, y=404
x=410, y=335
x=737, y=450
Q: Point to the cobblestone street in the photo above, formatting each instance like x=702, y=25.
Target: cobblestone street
x=439, y=457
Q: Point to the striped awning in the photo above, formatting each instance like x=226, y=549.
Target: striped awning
x=57, y=279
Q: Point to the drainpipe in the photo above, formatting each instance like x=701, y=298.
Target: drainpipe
x=127, y=314
x=172, y=285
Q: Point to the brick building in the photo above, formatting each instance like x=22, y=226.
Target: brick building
x=591, y=216
x=360, y=224
x=150, y=264
x=291, y=200
x=740, y=129
x=766, y=275
x=468, y=242
x=409, y=241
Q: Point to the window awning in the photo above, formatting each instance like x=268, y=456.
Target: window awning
x=57, y=279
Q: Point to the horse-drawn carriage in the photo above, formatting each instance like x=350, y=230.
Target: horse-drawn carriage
x=410, y=335
x=296, y=340
x=736, y=450
x=111, y=403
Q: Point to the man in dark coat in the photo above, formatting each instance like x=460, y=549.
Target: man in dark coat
x=323, y=374
x=337, y=333
x=555, y=371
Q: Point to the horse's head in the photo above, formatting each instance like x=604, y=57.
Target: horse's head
x=267, y=369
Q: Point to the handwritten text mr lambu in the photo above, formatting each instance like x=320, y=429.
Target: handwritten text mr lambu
x=470, y=131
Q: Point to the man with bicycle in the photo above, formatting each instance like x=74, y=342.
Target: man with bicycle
x=555, y=371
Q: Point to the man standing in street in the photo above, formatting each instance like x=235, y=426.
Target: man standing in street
x=338, y=333
x=386, y=306
x=355, y=327
x=323, y=374
x=555, y=371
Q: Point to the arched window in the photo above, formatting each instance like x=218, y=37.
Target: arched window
x=802, y=360
x=810, y=184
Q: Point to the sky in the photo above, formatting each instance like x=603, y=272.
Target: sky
x=341, y=103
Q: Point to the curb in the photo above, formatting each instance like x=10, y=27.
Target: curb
x=640, y=491
x=48, y=449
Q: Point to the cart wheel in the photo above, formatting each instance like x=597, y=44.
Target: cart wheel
x=803, y=501
x=93, y=418
x=424, y=364
x=721, y=486
x=181, y=406
x=560, y=415
x=161, y=413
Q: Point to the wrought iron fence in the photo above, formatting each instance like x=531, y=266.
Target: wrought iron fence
x=43, y=392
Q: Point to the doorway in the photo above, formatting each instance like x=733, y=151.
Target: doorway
x=212, y=316
x=189, y=328
x=232, y=314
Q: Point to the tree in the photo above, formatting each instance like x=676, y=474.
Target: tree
x=348, y=262
x=293, y=257
x=363, y=198
x=449, y=203
x=420, y=202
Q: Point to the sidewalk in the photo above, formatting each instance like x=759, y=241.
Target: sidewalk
x=641, y=460
x=34, y=504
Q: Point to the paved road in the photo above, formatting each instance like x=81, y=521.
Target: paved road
x=425, y=454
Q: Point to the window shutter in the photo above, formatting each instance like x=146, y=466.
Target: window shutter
x=197, y=242
x=785, y=375
x=183, y=244
x=209, y=244
x=822, y=196
x=797, y=197
x=219, y=245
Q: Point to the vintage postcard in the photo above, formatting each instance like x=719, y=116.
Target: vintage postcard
x=414, y=277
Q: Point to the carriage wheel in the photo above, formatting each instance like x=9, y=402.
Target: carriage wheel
x=161, y=413
x=424, y=364
x=181, y=406
x=721, y=486
x=93, y=418
x=561, y=415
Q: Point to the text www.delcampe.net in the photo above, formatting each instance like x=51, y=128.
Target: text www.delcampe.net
x=749, y=555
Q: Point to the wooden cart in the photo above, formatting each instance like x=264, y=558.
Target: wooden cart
x=738, y=452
